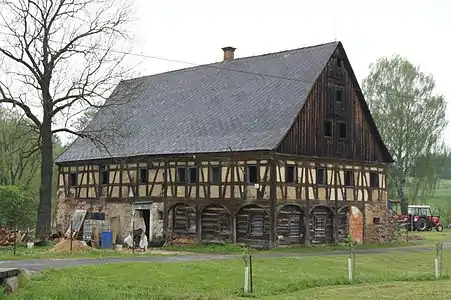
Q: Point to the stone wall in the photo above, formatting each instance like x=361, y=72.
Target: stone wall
x=381, y=226
x=67, y=206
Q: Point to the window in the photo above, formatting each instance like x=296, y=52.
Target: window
x=104, y=175
x=339, y=62
x=193, y=174
x=73, y=179
x=252, y=176
x=290, y=176
x=320, y=176
x=343, y=131
x=328, y=128
x=143, y=175
x=374, y=179
x=349, y=178
x=338, y=95
x=181, y=175
x=376, y=220
x=215, y=175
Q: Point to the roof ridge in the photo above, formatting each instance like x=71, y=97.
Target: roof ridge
x=235, y=59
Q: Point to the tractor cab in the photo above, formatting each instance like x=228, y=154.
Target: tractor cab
x=419, y=210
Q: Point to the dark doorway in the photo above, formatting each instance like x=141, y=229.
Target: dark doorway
x=145, y=214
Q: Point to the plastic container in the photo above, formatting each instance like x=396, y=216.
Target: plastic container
x=106, y=240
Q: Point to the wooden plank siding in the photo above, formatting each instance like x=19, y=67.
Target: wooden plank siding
x=307, y=134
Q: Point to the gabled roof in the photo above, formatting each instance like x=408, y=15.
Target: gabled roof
x=245, y=104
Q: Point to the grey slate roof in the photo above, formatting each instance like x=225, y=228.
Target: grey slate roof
x=206, y=108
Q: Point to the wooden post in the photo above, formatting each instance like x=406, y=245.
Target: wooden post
x=71, y=234
x=15, y=239
x=133, y=237
x=273, y=201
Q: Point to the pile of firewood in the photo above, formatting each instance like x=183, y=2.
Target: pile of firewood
x=7, y=236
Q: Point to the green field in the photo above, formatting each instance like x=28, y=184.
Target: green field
x=388, y=276
x=442, y=196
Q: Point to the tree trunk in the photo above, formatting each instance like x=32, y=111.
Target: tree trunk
x=45, y=189
x=402, y=195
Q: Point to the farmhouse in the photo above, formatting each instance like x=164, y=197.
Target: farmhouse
x=267, y=150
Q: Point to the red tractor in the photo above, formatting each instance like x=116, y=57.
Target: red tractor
x=423, y=219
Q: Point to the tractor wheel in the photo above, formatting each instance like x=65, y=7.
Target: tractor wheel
x=422, y=224
x=439, y=228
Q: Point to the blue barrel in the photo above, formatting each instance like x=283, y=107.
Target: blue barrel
x=106, y=240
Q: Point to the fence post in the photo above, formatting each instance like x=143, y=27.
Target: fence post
x=133, y=237
x=15, y=239
x=251, y=276
x=71, y=234
x=441, y=258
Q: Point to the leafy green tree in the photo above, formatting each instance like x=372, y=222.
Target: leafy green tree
x=17, y=207
x=19, y=151
x=411, y=118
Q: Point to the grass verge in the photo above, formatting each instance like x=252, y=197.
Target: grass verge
x=273, y=278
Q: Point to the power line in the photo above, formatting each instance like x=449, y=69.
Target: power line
x=211, y=66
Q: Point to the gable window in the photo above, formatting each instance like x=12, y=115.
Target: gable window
x=104, y=175
x=338, y=95
x=349, y=178
x=342, y=130
x=252, y=175
x=327, y=128
x=321, y=176
x=215, y=175
x=193, y=174
x=73, y=179
x=143, y=175
x=339, y=62
x=181, y=175
x=290, y=174
x=374, y=179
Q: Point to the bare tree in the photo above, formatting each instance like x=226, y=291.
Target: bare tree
x=57, y=58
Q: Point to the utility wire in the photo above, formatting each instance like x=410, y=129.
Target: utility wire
x=211, y=65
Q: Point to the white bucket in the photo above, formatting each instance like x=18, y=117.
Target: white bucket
x=30, y=245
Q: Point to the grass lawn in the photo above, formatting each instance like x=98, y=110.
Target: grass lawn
x=287, y=278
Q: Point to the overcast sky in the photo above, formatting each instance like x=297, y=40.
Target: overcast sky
x=194, y=31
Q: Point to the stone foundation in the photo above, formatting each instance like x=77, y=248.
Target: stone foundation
x=67, y=207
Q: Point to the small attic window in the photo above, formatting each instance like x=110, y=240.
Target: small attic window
x=339, y=62
x=343, y=130
x=327, y=128
x=338, y=95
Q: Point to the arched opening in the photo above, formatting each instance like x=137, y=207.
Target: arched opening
x=216, y=223
x=321, y=225
x=350, y=221
x=252, y=226
x=182, y=221
x=290, y=225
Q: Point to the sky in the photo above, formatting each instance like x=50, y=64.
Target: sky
x=195, y=31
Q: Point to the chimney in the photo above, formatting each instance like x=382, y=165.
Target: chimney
x=228, y=53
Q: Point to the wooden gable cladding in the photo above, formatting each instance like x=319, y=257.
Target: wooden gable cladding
x=332, y=122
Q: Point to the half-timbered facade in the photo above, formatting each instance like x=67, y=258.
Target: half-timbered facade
x=269, y=150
